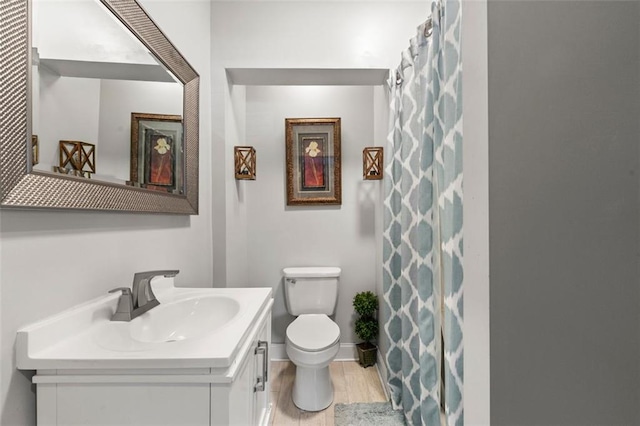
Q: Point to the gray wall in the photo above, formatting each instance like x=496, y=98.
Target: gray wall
x=563, y=200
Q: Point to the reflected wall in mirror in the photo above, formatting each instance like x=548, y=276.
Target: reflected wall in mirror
x=92, y=64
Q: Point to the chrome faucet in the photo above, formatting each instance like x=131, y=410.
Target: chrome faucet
x=138, y=299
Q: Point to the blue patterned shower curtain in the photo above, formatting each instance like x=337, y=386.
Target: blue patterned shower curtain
x=422, y=255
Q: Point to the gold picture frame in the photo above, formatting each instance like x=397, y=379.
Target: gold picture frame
x=313, y=161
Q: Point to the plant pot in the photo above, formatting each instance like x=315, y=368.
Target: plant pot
x=367, y=353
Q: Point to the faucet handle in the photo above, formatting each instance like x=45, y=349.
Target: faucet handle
x=126, y=291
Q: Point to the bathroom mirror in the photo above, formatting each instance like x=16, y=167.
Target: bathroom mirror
x=72, y=95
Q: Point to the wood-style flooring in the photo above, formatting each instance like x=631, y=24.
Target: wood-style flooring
x=351, y=383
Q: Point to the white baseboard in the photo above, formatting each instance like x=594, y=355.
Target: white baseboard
x=347, y=352
x=382, y=374
x=278, y=352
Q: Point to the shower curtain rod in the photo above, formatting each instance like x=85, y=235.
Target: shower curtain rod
x=428, y=24
x=427, y=31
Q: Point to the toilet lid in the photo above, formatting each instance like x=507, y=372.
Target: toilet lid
x=313, y=332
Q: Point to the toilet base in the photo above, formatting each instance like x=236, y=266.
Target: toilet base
x=312, y=388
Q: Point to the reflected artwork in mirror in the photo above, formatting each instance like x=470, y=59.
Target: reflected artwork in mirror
x=156, y=152
x=99, y=73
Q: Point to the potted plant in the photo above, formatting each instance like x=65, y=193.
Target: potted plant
x=365, y=304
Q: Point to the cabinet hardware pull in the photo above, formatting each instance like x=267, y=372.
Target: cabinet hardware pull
x=262, y=348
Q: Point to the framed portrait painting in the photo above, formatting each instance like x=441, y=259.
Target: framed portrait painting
x=313, y=161
x=156, y=152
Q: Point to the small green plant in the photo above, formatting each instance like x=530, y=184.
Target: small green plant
x=367, y=328
x=365, y=304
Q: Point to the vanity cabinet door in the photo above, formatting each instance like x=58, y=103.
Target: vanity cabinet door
x=249, y=395
x=140, y=404
x=238, y=404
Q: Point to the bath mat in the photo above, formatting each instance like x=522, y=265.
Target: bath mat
x=367, y=414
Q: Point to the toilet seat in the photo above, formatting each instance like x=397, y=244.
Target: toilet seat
x=313, y=332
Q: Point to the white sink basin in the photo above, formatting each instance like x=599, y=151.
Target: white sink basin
x=185, y=319
x=169, y=322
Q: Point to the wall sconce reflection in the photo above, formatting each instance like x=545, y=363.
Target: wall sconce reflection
x=76, y=158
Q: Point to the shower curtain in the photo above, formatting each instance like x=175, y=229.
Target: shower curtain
x=422, y=237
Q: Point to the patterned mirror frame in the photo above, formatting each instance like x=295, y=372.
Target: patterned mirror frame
x=22, y=187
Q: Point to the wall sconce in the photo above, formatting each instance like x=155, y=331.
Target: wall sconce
x=76, y=158
x=245, y=162
x=372, y=161
x=35, y=150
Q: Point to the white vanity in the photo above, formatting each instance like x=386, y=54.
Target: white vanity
x=199, y=358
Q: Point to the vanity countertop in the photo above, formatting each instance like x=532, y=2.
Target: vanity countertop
x=84, y=337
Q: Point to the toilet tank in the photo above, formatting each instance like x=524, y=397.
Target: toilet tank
x=311, y=290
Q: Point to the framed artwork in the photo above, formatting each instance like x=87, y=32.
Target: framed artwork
x=313, y=161
x=156, y=152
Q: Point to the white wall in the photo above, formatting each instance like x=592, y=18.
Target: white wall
x=52, y=260
x=257, y=34
x=69, y=109
x=477, y=365
x=244, y=34
x=81, y=30
x=279, y=235
x=118, y=99
x=282, y=35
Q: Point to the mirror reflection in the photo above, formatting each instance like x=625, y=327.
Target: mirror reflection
x=103, y=107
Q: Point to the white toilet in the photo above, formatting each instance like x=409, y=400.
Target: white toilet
x=313, y=339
